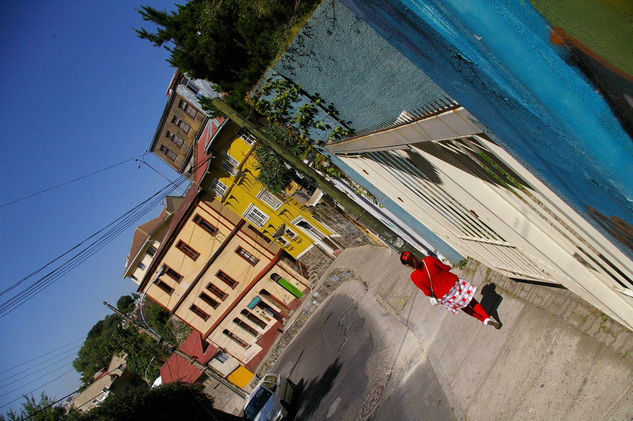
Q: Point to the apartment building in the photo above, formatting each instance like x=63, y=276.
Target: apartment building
x=181, y=122
x=221, y=276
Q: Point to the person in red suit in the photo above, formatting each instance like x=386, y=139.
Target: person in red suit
x=437, y=282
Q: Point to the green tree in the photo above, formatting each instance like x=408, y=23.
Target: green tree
x=228, y=42
x=44, y=410
x=108, y=337
x=174, y=401
x=159, y=320
x=98, y=348
x=293, y=118
x=125, y=304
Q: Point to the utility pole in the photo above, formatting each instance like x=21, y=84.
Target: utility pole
x=205, y=369
x=360, y=214
x=133, y=322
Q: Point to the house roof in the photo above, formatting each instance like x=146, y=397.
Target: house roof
x=176, y=368
x=143, y=232
x=211, y=129
x=103, y=380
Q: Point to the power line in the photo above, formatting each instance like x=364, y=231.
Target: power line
x=115, y=228
x=142, y=160
x=41, y=355
x=58, y=368
x=26, y=372
x=28, y=196
x=38, y=388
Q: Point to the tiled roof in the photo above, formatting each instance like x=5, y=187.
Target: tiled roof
x=210, y=130
x=176, y=368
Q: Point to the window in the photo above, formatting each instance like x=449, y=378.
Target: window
x=283, y=241
x=191, y=86
x=221, y=356
x=235, y=338
x=175, y=139
x=151, y=250
x=171, y=155
x=232, y=160
x=205, y=225
x=256, y=403
x=255, y=216
x=134, y=277
x=270, y=199
x=241, y=323
x=285, y=284
x=207, y=299
x=188, y=250
x=188, y=108
x=199, y=312
x=162, y=285
x=141, y=266
x=226, y=279
x=219, y=187
x=247, y=256
x=230, y=168
x=246, y=136
x=290, y=234
x=181, y=124
x=253, y=318
x=172, y=273
x=217, y=291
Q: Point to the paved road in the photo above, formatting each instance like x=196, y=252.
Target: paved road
x=353, y=360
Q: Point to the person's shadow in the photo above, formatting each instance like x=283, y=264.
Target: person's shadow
x=490, y=300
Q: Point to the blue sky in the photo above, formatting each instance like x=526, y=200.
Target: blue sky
x=80, y=92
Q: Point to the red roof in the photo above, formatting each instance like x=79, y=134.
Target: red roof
x=211, y=129
x=141, y=234
x=176, y=368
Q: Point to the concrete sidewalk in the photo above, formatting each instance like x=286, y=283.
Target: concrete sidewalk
x=555, y=357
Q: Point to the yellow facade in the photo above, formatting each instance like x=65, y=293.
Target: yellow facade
x=232, y=177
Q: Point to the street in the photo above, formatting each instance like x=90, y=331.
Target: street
x=376, y=349
x=353, y=360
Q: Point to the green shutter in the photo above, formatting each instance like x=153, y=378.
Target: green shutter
x=253, y=303
x=290, y=288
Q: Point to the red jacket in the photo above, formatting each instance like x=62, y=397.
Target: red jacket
x=443, y=279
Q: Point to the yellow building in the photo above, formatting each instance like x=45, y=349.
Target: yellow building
x=231, y=174
x=219, y=275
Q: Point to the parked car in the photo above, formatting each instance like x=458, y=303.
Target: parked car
x=271, y=399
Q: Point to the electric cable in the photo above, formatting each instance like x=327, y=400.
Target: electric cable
x=124, y=222
x=14, y=302
x=116, y=227
x=38, y=388
x=64, y=183
x=48, y=373
x=25, y=372
x=41, y=355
